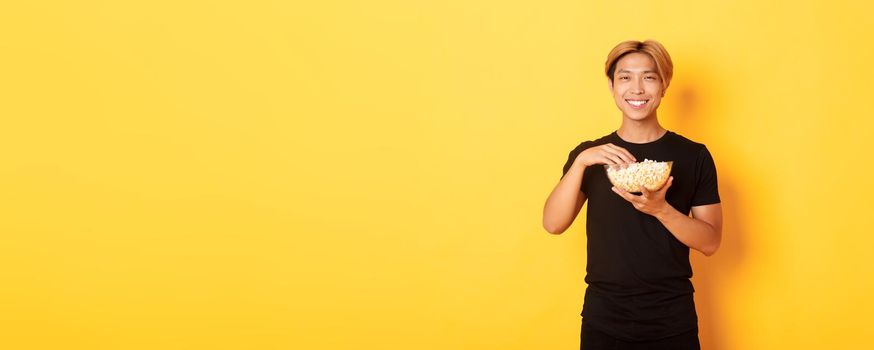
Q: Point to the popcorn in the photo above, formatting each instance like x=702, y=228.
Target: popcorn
x=648, y=173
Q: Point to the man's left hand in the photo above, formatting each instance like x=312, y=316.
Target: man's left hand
x=650, y=202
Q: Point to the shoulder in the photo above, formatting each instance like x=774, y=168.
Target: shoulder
x=694, y=150
x=687, y=144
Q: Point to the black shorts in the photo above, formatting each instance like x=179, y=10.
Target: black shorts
x=593, y=339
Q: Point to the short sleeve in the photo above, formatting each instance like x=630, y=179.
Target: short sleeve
x=706, y=186
x=572, y=155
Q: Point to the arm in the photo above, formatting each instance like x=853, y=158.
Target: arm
x=565, y=201
x=702, y=231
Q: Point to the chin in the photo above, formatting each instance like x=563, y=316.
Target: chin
x=637, y=117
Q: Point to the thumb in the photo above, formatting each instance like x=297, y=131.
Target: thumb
x=668, y=184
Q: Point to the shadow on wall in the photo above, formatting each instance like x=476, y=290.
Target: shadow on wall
x=694, y=115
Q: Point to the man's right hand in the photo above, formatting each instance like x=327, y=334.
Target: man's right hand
x=564, y=203
x=604, y=154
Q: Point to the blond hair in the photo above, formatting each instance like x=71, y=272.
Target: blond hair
x=652, y=48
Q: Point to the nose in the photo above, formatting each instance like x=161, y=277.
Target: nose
x=637, y=87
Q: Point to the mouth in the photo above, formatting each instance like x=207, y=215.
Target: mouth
x=637, y=104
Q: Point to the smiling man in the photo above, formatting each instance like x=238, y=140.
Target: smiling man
x=639, y=293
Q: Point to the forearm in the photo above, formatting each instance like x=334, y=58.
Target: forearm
x=694, y=233
x=561, y=208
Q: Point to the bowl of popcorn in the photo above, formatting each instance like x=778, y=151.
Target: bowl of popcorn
x=649, y=174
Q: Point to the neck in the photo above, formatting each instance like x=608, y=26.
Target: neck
x=641, y=131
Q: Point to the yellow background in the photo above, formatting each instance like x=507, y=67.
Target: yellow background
x=372, y=174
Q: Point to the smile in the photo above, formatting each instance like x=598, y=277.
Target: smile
x=637, y=104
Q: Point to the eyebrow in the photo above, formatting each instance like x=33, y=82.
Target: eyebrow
x=628, y=71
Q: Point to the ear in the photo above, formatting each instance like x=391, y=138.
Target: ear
x=610, y=85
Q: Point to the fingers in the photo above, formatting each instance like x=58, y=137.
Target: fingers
x=617, y=155
x=607, y=154
x=611, y=154
x=661, y=191
x=624, y=194
x=611, y=158
x=649, y=201
x=667, y=184
x=644, y=191
x=622, y=153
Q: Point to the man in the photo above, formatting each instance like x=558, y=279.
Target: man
x=639, y=293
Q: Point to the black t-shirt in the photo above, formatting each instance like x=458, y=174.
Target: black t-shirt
x=638, y=273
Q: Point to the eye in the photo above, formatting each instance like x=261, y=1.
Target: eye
x=623, y=78
x=653, y=78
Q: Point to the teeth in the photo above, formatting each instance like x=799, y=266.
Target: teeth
x=637, y=103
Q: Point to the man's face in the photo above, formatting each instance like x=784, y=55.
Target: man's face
x=635, y=81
